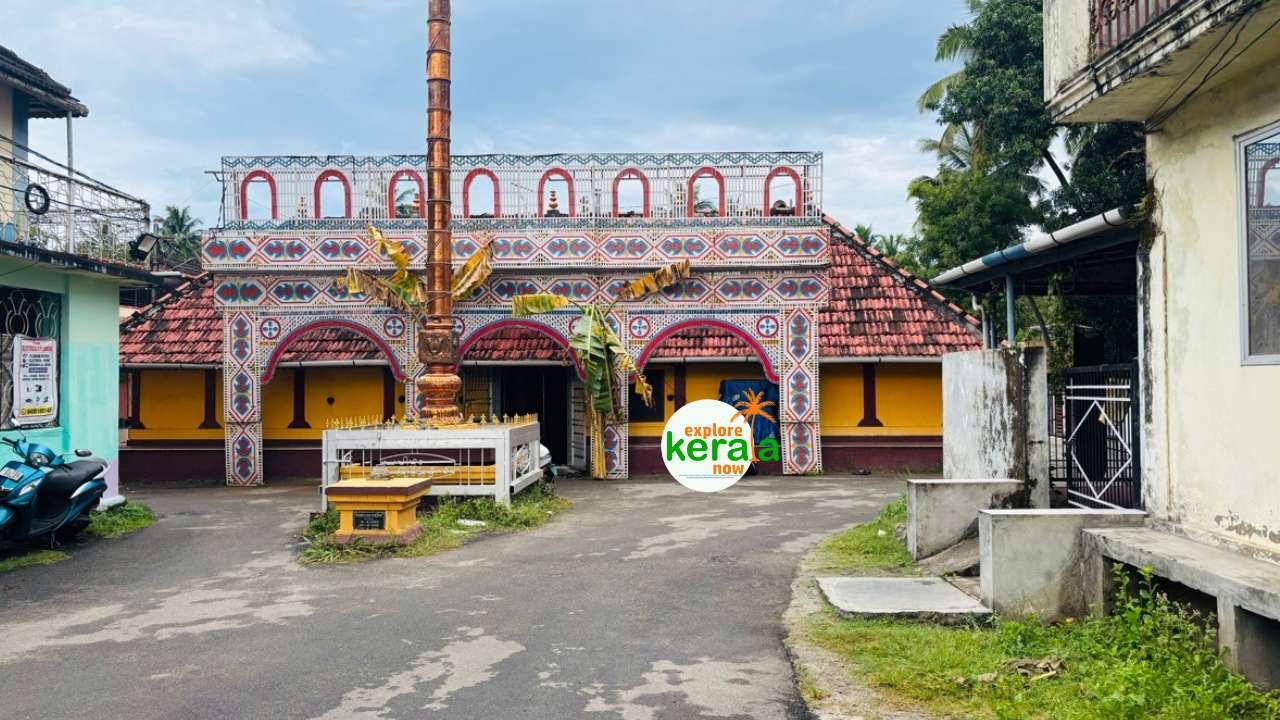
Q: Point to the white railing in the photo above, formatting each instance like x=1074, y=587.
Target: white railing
x=495, y=460
x=44, y=203
x=676, y=185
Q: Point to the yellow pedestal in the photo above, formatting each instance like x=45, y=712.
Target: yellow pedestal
x=378, y=510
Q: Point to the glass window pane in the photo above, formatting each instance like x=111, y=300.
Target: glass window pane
x=1262, y=180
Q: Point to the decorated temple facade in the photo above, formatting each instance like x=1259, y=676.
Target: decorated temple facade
x=257, y=354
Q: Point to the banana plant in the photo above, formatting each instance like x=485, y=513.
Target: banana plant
x=599, y=349
x=405, y=290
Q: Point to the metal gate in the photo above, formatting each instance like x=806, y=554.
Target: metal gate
x=1094, y=435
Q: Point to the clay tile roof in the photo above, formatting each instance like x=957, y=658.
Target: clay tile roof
x=876, y=309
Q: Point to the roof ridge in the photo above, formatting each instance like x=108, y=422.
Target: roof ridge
x=146, y=312
x=921, y=287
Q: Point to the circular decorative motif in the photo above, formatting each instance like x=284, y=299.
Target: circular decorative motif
x=459, y=327
x=270, y=328
x=767, y=326
x=640, y=327
x=393, y=327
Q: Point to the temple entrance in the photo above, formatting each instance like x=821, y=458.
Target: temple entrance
x=538, y=389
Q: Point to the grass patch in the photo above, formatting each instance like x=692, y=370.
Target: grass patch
x=1151, y=658
x=120, y=520
x=35, y=557
x=870, y=547
x=441, y=527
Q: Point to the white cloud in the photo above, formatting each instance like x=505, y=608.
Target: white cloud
x=154, y=36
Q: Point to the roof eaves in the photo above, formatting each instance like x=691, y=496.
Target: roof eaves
x=38, y=84
x=80, y=263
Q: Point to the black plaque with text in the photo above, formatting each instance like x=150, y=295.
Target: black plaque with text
x=369, y=520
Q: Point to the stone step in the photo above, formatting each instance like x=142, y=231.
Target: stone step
x=962, y=558
x=971, y=586
x=909, y=598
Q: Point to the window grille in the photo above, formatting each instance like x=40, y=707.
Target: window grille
x=1261, y=264
x=34, y=314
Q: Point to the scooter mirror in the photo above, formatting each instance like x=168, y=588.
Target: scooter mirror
x=81, y=452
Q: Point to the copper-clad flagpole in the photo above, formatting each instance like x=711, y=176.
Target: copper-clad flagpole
x=439, y=388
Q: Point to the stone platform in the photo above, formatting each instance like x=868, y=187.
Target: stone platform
x=932, y=599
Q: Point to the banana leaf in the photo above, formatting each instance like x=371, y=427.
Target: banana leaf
x=472, y=273
x=536, y=304
x=405, y=300
x=393, y=249
x=656, y=281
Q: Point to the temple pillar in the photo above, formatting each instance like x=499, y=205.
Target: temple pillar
x=242, y=400
x=798, y=371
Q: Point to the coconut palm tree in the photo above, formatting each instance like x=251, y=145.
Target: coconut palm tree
x=955, y=43
x=182, y=231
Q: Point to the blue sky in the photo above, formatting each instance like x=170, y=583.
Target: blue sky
x=173, y=85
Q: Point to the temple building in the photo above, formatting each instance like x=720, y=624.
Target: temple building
x=781, y=294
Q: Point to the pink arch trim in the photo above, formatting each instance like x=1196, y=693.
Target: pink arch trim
x=466, y=191
x=244, y=193
x=768, y=188
x=714, y=175
x=346, y=191
x=391, y=193
x=628, y=174
x=269, y=370
x=545, y=329
x=737, y=332
x=568, y=179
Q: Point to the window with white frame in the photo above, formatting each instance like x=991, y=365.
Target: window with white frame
x=1261, y=272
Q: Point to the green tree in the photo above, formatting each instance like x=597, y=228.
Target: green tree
x=181, y=230
x=1108, y=169
x=963, y=214
x=1000, y=92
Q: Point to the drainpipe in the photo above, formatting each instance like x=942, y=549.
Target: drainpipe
x=438, y=389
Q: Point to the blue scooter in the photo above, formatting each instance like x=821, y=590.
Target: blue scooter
x=43, y=493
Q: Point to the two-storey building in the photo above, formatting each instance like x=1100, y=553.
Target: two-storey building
x=1204, y=79
x=846, y=344
x=64, y=248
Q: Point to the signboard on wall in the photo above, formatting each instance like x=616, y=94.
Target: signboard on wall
x=35, y=380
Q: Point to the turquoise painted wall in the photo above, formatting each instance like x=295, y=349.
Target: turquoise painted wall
x=89, y=358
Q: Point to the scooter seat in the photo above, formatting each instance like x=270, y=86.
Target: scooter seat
x=63, y=480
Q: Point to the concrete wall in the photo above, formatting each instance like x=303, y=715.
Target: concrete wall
x=995, y=421
x=1033, y=561
x=1209, y=421
x=941, y=513
x=1066, y=42
x=89, y=358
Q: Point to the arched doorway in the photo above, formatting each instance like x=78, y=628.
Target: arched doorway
x=514, y=367
x=318, y=375
x=262, y=344
x=697, y=361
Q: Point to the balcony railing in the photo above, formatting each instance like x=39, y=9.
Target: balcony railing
x=1115, y=21
x=46, y=204
x=519, y=187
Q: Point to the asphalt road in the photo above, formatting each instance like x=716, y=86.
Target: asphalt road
x=642, y=602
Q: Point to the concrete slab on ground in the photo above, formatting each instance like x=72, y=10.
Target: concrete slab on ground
x=931, y=598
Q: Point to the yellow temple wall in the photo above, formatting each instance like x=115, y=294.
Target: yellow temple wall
x=908, y=396
x=908, y=399
x=172, y=402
